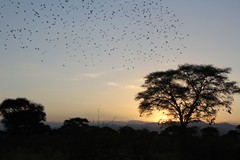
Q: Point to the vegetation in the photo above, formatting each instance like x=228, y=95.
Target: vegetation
x=75, y=123
x=76, y=139
x=22, y=116
x=90, y=142
x=189, y=93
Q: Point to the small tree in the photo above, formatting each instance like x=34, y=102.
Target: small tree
x=75, y=123
x=189, y=93
x=21, y=115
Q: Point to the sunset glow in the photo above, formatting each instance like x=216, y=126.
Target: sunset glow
x=91, y=61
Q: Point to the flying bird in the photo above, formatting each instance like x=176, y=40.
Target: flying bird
x=93, y=32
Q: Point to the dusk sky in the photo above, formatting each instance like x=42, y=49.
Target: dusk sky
x=79, y=58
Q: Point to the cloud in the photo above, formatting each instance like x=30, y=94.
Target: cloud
x=117, y=70
x=135, y=85
x=99, y=74
x=124, y=86
x=78, y=77
x=132, y=87
x=113, y=84
x=93, y=75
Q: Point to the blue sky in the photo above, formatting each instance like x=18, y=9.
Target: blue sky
x=82, y=65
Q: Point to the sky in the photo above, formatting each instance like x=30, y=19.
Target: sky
x=89, y=58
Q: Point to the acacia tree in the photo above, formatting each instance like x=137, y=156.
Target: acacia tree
x=21, y=115
x=75, y=123
x=188, y=93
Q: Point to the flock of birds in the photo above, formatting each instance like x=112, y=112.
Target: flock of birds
x=121, y=33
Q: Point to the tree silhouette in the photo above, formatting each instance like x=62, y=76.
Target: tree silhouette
x=173, y=130
x=21, y=115
x=75, y=123
x=232, y=134
x=127, y=130
x=189, y=93
x=209, y=132
x=238, y=128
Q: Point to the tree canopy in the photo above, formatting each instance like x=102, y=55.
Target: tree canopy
x=21, y=115
x=188, y=93
x=74, y=123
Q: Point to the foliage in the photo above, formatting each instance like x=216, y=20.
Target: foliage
x=74, y=123
x=126, y=130
x=22, y=116
x=101, y=144
x=77, y=125
x=210, y=132
x=233, y=134
x=238, y=128
x=171, y=131
x=175, y=130
x=189, y=93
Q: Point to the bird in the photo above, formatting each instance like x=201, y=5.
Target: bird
x=131, y=32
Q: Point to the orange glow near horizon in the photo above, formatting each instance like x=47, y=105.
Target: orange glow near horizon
x=76, y=59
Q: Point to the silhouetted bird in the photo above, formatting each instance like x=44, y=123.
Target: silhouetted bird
x=129, y=30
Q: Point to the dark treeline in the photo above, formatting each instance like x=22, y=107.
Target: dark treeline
x=27, y=137
x=191, y=93
x=75, y=140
